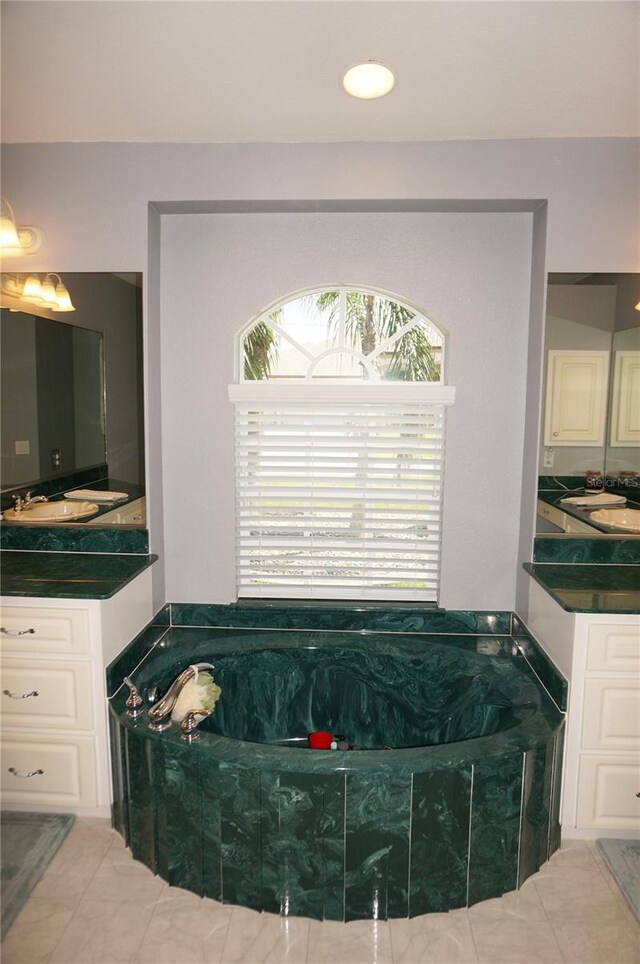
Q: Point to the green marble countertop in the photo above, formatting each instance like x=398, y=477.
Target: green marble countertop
x=585, y=588
x=68, y=575
x=555, y=496
x=112, y=485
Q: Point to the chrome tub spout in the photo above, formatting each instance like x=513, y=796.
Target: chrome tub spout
x=160, y=712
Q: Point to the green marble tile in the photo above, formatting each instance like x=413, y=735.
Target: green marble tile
x=406, y=619
x=292, y=846
x=211, y=828
x=550, y=677
x=377, y=845
x=536, y=801
x=240, y=825
x=332, y=847
x=263, y=825
x=119, y=807
x=441, y=802
x=495, y=827
x=600, y=551
x=184, y=802
x=68, y=575
x=140, y=797
x=74, y=538
x=166, y=824
x=556, y=791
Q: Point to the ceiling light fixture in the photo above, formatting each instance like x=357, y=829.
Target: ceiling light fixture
x=15, y=240
x=368, y=80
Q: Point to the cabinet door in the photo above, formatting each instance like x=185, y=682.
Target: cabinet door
x=625, y=411
x=576, y=397
x=608, y=788
x=614, y=647
x=611, y=715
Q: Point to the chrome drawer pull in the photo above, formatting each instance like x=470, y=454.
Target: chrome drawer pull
x=20, y=696
x=16, y=632
x=25, y=776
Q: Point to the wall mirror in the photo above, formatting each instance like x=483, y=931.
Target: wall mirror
x=591, y=404
x=72, y=393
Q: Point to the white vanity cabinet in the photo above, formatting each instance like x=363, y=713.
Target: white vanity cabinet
x=132, y=514
x=53, y=655
x=600, y=656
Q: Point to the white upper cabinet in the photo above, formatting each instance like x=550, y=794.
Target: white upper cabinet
x=625, y=413
x=576, y=397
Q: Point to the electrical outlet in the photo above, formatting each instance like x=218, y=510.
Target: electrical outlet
x=22, y=448
x=548, y=457
x=56, y=459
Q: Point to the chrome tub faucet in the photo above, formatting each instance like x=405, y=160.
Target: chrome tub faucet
x=160, y=712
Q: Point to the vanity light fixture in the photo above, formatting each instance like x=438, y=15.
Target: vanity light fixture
x=16, y=240
x=637, y=307
x=32, y=291
x=368, y=80
x=63, y=299
x=46, y=293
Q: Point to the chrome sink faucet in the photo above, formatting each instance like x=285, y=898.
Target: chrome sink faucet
x=20, y=504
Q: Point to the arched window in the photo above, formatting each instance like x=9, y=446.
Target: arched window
x=340, y=407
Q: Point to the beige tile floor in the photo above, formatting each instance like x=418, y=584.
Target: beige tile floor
x=95, y=905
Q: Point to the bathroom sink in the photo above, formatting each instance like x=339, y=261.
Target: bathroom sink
x=47, y=512
x=628, y=519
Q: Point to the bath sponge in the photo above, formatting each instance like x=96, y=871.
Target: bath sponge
x=199, y=693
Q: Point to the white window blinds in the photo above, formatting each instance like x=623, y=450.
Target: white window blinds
x=339, y=500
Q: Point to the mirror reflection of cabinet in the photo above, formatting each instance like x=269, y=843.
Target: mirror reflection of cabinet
x=625, y=411
x=576, y=405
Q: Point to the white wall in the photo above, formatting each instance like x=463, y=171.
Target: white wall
x=92, y=201
x=470, y=273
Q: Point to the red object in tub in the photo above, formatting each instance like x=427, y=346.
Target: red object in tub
x=320, y=740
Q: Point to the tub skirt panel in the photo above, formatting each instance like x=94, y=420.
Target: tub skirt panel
x=342, y=845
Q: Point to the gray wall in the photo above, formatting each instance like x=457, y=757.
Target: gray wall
x=92, y=201
x=471, y=275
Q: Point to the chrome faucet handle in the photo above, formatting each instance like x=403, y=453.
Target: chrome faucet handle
x=18, y=503
x=189, y=725
x=133, y=701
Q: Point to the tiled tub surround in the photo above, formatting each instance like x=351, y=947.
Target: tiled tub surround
x=343, y=835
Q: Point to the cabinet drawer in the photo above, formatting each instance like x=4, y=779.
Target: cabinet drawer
x=38, y=693
x=614, y=648
x=25, y=629
x=607, y=788
x=611, y=715
x=67, y=768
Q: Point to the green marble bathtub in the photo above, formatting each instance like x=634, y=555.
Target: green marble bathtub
x=451, y=798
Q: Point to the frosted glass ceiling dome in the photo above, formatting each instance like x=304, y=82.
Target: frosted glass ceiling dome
x=368, y=80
